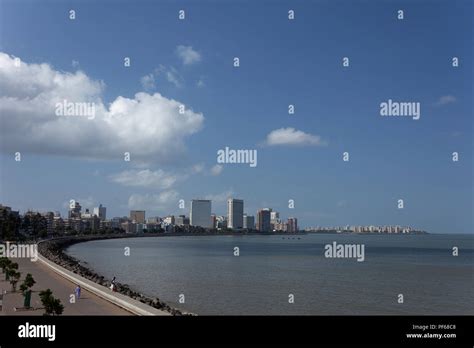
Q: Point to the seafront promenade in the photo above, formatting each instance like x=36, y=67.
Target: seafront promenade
x=88, y=304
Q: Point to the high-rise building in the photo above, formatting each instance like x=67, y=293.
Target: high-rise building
x=292, y=225
x=200, y=213
x=213, y=221
x=274, y=216
x=235, y=213
x=100, y=212
x=249, y=222
x=263, y=220
x=74, y=210
x=137, y=216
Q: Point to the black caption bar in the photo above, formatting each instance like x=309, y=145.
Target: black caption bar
x=108, y=330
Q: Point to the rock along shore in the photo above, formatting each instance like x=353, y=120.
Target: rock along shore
x=53, y=250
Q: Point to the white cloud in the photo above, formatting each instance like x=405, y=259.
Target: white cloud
x=171, y=75
x=200, y=83
x=446, y=99
x=220, y=197
x=197, y=168
x=148, y=82
x=158, y=179
x=291, y=136
x=75, y=63
x=154, y=179
x=161, y=202
x=217, y=169
x=188, y=55
x=149, y=126
x=174, y=77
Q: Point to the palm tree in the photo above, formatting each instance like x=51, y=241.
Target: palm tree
x=11, y=266
x=26, y=289
x=4, y=263
x=52, y=306
x=14, y=277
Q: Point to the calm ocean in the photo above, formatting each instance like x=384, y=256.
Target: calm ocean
x=269, y=268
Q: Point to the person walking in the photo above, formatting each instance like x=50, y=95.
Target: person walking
x=78, y=292
x=113, y=286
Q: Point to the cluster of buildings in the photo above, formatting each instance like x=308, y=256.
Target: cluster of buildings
x=364, y=229
x=200, y=216
x=266, y=220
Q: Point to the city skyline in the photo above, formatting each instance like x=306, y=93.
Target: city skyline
x=137, y=221
x=196, y=125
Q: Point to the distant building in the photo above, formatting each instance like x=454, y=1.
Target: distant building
x=292, y=225
x=200, y=214
x=182, y=220
x=129, y=227
x=213, y=221
x=100, y=212
x=137, y=216
x=263, y=220
x=221, y=222
x=74, y=210
x=49, y=217
x=153, y=220
x=249, y=222
x=235, y=213
x=140, y=227
x=86, y=215
x=274, y=216
x=169, y=220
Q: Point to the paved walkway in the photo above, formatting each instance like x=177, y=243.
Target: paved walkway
x=88, y=304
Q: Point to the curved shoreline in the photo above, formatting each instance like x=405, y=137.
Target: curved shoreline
x=53, y=251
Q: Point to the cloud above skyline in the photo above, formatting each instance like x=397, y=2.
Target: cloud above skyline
x=188, y=55
x=293, y=137
x=446, y=99
x=146, y=125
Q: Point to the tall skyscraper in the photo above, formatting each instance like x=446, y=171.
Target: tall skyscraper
x=263, y=220
x=274, y=217
x=137, y=216
x=249, y=222
x=292, y=225
x=100, y=212
x=235, y=213
x=200, y=214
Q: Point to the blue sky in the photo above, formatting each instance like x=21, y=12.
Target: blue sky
x=282, y=62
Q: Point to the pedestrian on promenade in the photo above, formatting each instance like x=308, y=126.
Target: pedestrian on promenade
x=113, y=286
x=78, y=292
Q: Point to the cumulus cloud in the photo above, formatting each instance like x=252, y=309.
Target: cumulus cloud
x=154, y=202
x=187, y=55
x=291, y=136
x=217, y=169
x=174, y=77
x=158, y=179
x=445, y=99
x=149, y=126
x=171, y=75
x=148, y=82
x=155, y=179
